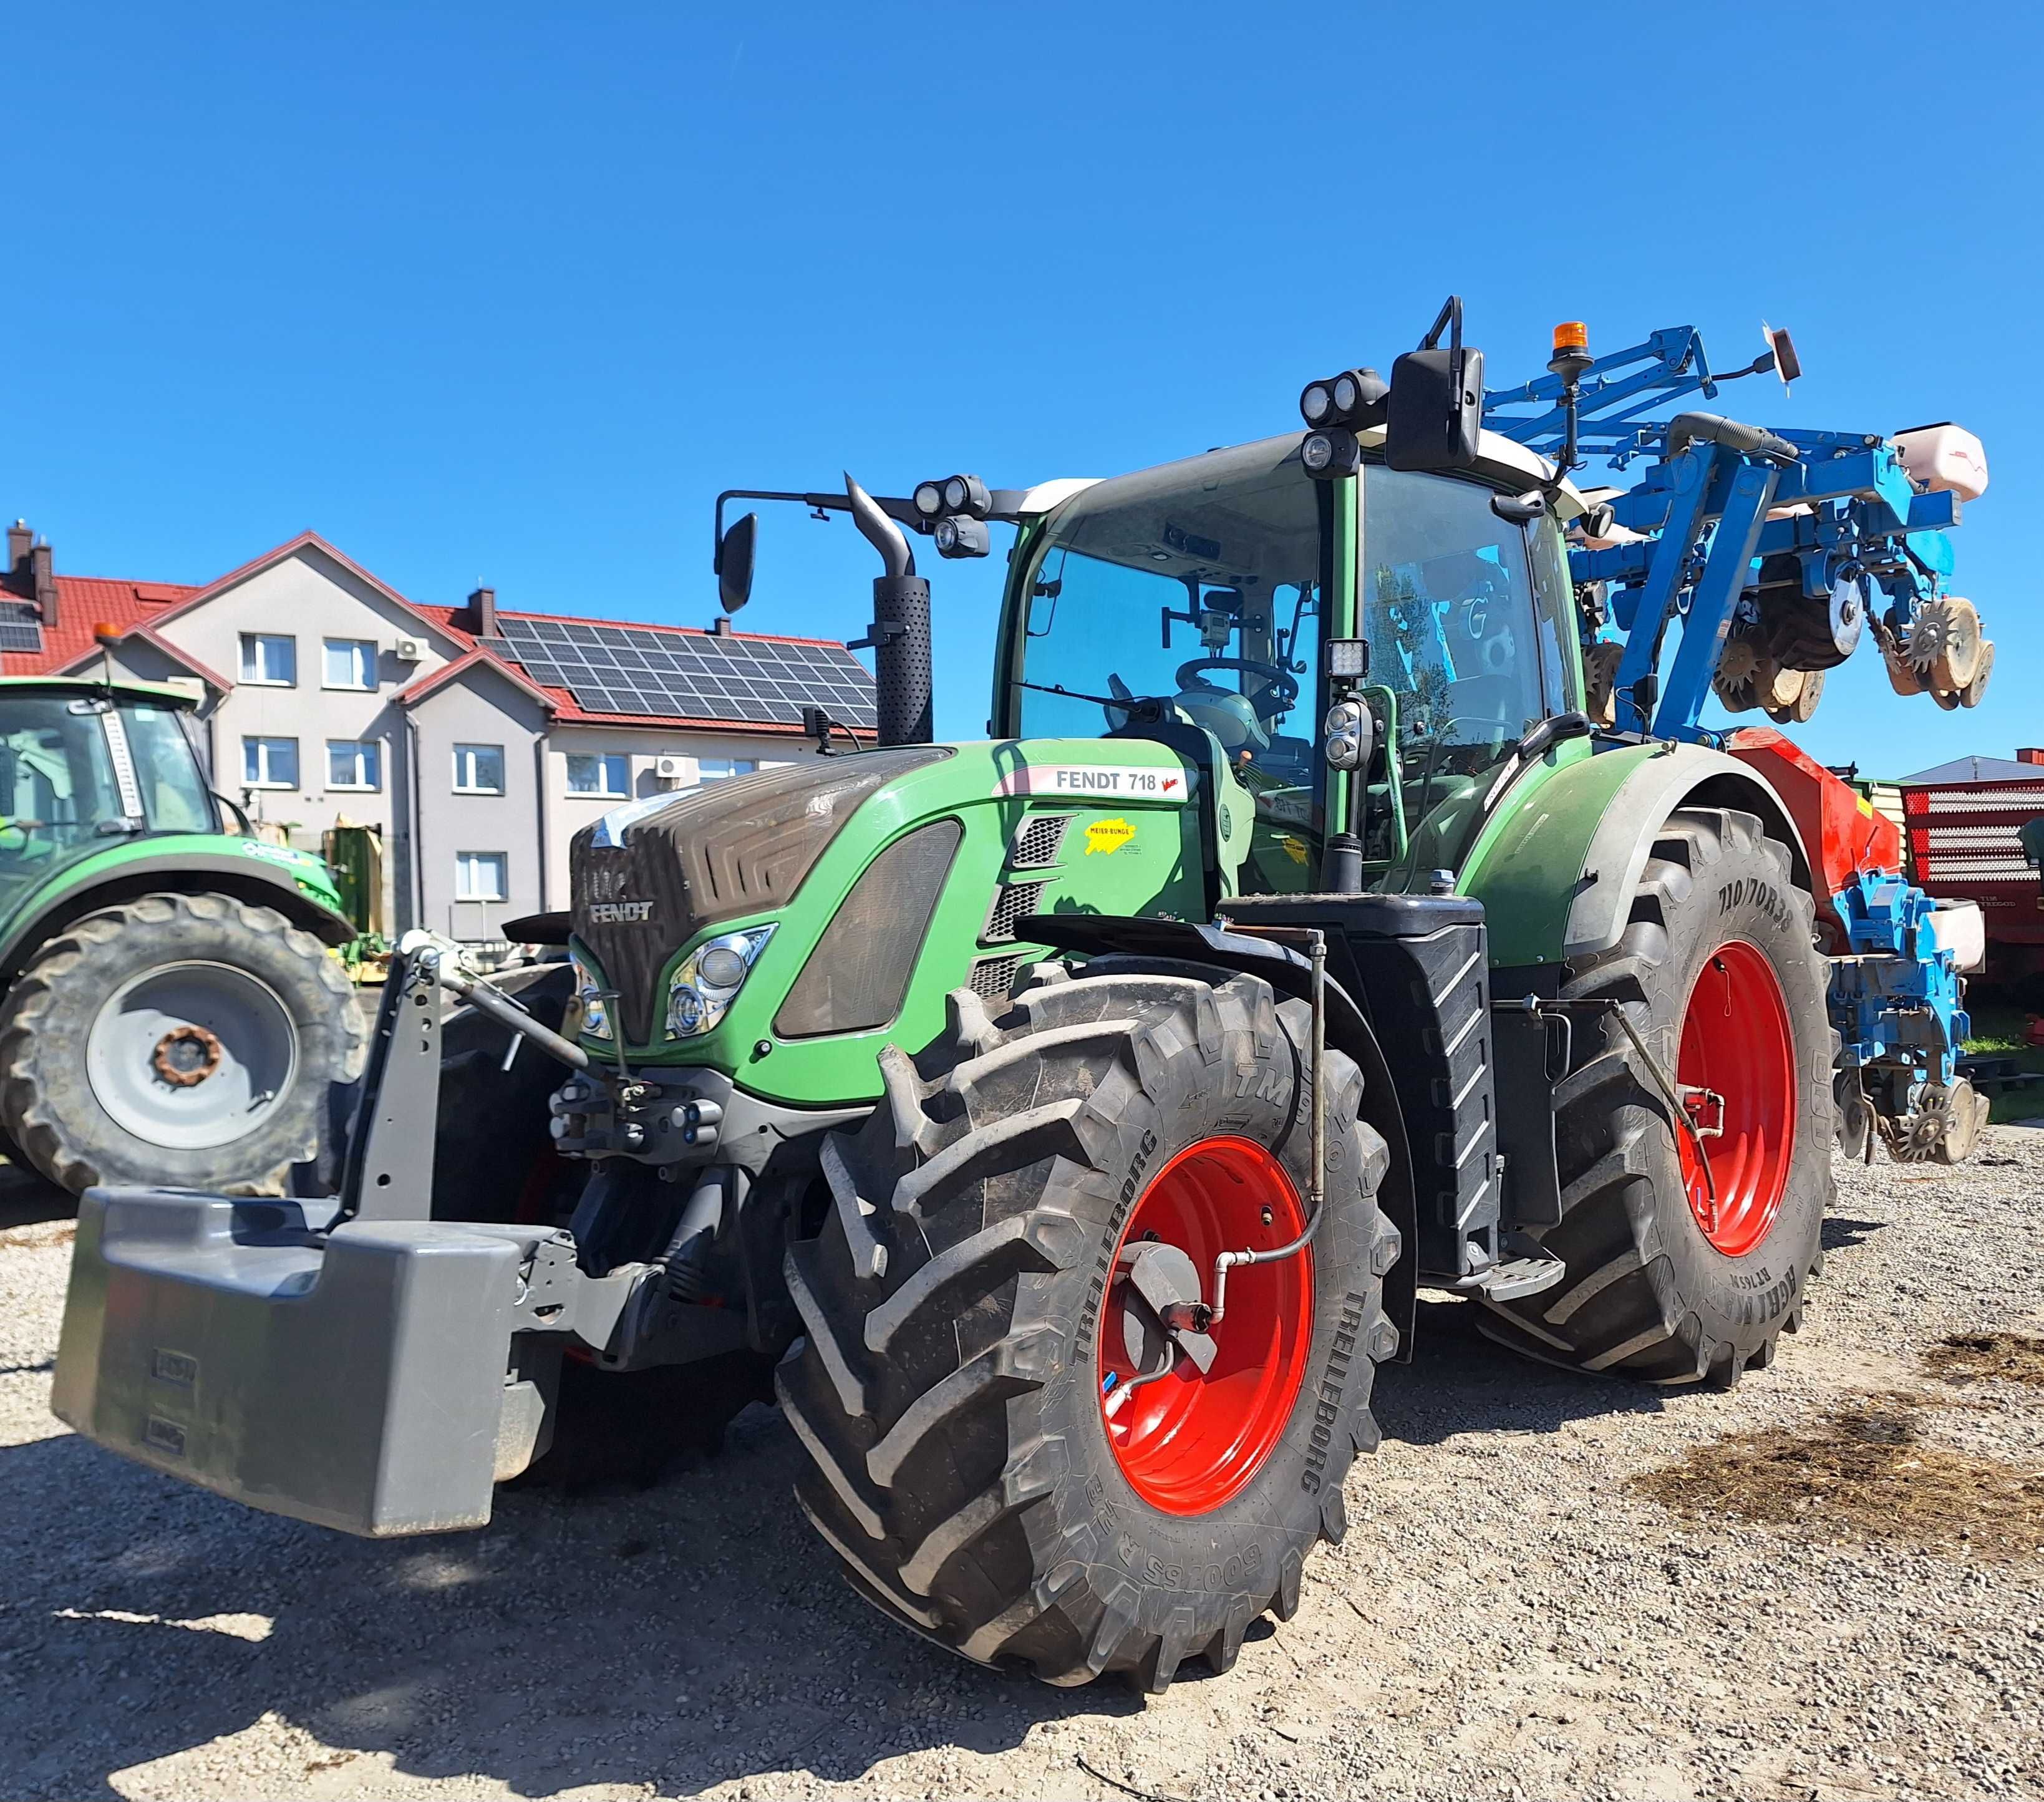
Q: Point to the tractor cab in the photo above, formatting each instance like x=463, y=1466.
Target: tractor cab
x=85, y=766
x=1208, y=593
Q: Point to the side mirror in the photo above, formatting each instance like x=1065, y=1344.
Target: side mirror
x=1435, y=407
x=734, y=563
x=1519, y=509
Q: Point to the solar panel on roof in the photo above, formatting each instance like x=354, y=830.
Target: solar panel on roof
x=630, y=670
x=21, y=627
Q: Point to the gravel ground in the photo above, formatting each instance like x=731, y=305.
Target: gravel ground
x=1511, y=1615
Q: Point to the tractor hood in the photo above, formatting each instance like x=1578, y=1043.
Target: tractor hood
x=647, y=878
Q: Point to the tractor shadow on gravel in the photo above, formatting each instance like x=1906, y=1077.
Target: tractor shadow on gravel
x=28, y=1199
x=689, y=1633
x=1460, y=1382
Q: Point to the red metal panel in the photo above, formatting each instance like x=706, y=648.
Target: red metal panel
x=1841, y=831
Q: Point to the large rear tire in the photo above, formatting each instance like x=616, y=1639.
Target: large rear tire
x=190, y=1040
x=1718, y=969
x=967, y=1333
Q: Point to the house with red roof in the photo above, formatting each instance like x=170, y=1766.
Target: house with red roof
x=476, y=740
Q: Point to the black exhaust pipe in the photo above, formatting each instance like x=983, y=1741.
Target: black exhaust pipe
x=900, y=635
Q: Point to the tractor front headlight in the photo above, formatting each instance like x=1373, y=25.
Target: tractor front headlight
x=707, y=981
x=590, y=989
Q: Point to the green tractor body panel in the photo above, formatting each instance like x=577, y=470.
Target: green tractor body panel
x=1132, y=844
x=1525, y=865
x=295, y=882
x=1554, y=867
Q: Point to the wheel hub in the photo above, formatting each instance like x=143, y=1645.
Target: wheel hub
x=1191, y=1416
x=1736, y=1075
x=187, y=1055
x=193, y=1054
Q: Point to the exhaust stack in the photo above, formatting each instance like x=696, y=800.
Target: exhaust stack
x=900, y=635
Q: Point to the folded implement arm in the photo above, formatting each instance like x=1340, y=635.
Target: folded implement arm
x=1775, y=548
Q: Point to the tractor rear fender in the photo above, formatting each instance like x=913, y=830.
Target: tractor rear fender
x=76, y=892
x=1348, y=1030
x=1557, y=871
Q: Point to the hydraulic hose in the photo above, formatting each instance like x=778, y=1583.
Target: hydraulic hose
x=1748, y=440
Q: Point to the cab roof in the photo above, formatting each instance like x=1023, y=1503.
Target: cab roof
x=159, y=691
x=1498, y=459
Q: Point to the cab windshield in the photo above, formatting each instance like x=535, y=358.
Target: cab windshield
x=1196, y=587
x=1199, y=589
x=60, y=796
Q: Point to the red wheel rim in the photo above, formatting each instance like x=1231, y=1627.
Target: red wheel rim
x=1736, y=1073
x=1187, y=1441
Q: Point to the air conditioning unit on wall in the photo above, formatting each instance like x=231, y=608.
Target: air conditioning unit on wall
x=674, y=770
x=409, y=650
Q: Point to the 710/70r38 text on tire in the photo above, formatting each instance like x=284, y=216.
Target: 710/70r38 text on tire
x=961, y=1314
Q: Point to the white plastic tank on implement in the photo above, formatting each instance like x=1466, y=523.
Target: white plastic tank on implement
x=1944, y=457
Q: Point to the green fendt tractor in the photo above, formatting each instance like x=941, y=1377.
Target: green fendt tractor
x=170, y=1013
x=1062, y=1123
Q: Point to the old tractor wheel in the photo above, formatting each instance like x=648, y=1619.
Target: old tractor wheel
x=1945, y=644
x=190, y=1040
x=1012, y=1452
x=1809, y=632
x=1902, y=676
x=1684, y=1262
x=1738, y=663
x=1965, y=1117
x=1809, y=691
x=1601, y=662
x=1975, y=692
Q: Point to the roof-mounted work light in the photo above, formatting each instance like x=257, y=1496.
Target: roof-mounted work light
x=1328, y=454
x=1354, y=398
x=965, y=494
x=958, y=535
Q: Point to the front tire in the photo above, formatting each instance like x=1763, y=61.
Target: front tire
x=1717, y=968
x=188, y=1040
x=966, y=1333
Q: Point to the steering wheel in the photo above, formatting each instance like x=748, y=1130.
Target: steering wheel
x=25, y=828
x=1279, y=697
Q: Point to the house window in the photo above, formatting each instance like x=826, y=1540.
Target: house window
x=354, y=764
x=270, y=762
x=479, y=769
x=270, y=659
x=478, y=875
x=608, y=774
x=716, y=769
x=350, y=662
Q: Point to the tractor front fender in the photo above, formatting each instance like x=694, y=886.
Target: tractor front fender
x=1557, y=874
x=196, y=865
x=1348, y=1030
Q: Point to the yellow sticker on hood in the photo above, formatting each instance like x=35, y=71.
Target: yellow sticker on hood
x=1107, y=836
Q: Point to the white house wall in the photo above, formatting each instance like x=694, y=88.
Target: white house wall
x=479, y=707
x=309, y=596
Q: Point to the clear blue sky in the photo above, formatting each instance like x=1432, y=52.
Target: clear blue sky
x=509, y=292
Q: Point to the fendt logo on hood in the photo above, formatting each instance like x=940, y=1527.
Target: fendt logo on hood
x=620, y=913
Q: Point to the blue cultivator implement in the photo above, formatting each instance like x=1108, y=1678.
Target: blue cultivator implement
x=1777, y=551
